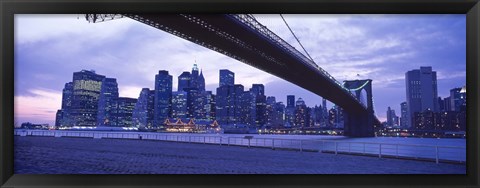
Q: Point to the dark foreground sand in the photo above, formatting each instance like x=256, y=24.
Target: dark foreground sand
x=49, y=155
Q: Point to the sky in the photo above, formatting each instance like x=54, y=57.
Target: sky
x=49, y=48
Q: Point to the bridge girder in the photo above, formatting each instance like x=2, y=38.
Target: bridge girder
x=237, y=38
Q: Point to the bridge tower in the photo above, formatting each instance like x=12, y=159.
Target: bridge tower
x=360, y=124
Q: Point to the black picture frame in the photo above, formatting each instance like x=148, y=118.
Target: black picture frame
x=10, y=7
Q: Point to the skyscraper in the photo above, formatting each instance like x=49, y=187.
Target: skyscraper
x=108, y=93
x=458, y=99
x=225, y=103
x=404, y=114
x=227, y=78
x=421, y=90
x=258, y=105
x=392, y=118
x=201, y=82
x=67, y=96
x=278, y=121
x=302, y=114
x=142, y=115
x=290, y=100
x=62, y=116
x=163, y=98
x=179, y=104
x=122, y=112
x=195, y=74
x=184, y=81
x=290, y=111
x=210, y=105
x=86, y=91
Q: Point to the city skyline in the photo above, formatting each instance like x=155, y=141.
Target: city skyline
x=389, y=89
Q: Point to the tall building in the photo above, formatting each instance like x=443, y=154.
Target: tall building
x=278, y=121
x=269, y=110
x=441, y=105
x=290, y=111
x=421, y=90
x=163, y=98
x=199, y=105
x=317, y=116
x=258, y=105
x=179, y=104
x=122, y=112
x=108, y=94
x=290, y=100
x=197, y=79
x=458, y=99
x=201, y=82
x=210, y=106
x=227, y=78
x=302, y=115
x=447, y=103
x=142, y=115
x=241, y=105
x=404, y=114
x=86, y=91
x=184, y=81
x=67, y=96
x=62, y=116
x=392, y=118
x=225, y=103
x=332, y=117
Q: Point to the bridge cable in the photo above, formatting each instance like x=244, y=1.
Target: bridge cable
x=296, y=38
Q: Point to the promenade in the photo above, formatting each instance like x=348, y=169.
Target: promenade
x=50, y=155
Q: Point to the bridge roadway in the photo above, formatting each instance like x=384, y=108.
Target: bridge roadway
x=244, y=39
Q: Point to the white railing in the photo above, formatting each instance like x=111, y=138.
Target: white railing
x=381, y=150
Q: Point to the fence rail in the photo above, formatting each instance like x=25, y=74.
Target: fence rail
x=438, y=154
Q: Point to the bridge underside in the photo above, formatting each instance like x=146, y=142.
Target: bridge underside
x=226, y=35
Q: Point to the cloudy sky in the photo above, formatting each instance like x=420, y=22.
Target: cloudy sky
x=49, y=48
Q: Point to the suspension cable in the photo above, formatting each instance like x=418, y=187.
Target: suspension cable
x=296, y=38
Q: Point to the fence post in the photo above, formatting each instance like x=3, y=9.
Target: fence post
x=248, y=143
x=364, y=148
x=397, y=151
x=177, y=138
x=220, y=140
x=203, y=139
x=336, y=148
x=273, y=143
x=380, y=152
x=323, y=146
x=436, y=154
x=301, y=145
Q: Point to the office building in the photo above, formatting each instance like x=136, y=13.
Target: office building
x=142, y=115
x=163, y=98
x=108, y=93
x=86, y=92
x=458, y=99
x=421, y=91
x=184, y=81
x=179, y=104
x=122, y=112
x=227, y=78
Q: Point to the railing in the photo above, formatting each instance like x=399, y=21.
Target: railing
x=450, y=154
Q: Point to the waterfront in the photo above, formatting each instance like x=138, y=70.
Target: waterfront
x=438, y=150
x=50, y=155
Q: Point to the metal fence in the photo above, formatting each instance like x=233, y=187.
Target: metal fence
x=450, y=154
